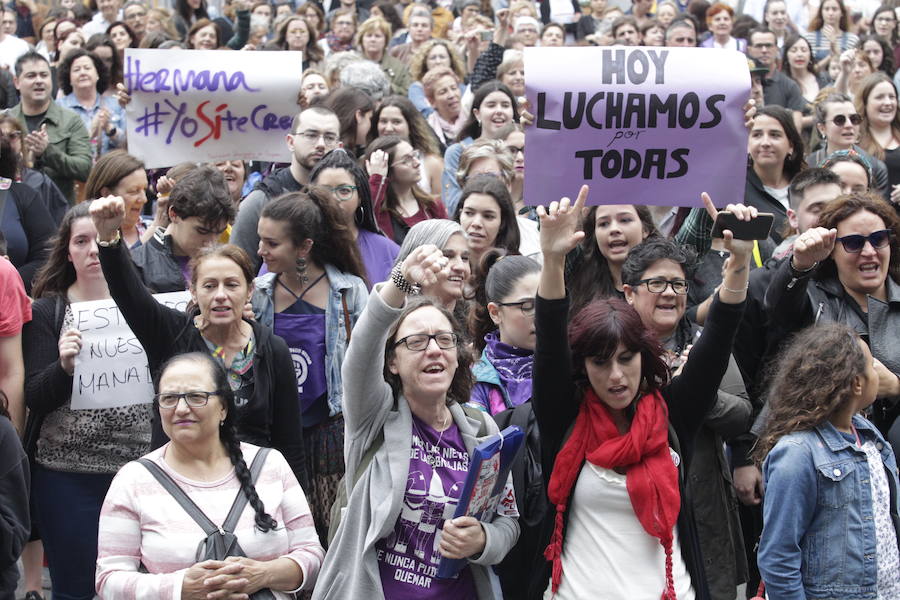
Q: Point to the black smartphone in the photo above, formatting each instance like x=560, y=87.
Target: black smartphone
x=755, y=229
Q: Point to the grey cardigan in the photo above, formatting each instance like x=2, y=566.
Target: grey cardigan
x=350, y=569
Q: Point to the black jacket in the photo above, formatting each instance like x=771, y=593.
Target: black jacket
x=38, y=226
x=271, y=418
x=821, y=298
x=156, y=264
x=15, y=522
x=689, y=398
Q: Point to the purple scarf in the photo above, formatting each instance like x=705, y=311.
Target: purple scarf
x=513, y=365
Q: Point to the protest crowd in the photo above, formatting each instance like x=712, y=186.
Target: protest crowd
x=323, y=344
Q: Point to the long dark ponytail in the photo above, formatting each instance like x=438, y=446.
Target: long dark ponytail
x=228, y=433
x=497, y=275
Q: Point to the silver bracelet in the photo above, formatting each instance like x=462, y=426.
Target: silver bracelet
x=410, y=289
x=728, y=289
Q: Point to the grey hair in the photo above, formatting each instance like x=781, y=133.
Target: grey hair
x=486, y=149
x=430, y=231
x=421, y=12
x=337, y=62
x=367, y=77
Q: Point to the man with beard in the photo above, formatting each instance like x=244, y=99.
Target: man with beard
x=314, y=133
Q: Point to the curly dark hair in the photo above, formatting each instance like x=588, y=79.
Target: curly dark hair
x=463, y=380
x=812, y=381
x=842, y=208
x=315, y=215
x=227, y=432
x=641, y=257
x=66, y=67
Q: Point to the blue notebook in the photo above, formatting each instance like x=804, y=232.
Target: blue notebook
x=489, y=468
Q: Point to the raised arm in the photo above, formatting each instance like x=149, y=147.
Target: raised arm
x=365, y=390
x=786, y=302
x=553, y=394
x=154, y=325
x=692, y=394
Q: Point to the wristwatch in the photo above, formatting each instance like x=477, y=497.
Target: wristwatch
x=797, y=275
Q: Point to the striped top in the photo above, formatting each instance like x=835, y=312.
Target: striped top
x=142, y=525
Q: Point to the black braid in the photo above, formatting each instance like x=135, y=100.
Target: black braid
x=264, y=521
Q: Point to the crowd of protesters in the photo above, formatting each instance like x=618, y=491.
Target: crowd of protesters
x=705, y=417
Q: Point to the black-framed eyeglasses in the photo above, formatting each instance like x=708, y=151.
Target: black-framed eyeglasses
x=417, y=342
x=342, y=192
x=854, y=243
x=313, y=136
x=658, y=285
x=840, y=120
x=885, y=19
x=194, y=399
x=526, y=306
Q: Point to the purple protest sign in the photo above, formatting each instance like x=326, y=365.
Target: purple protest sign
x=654, y=126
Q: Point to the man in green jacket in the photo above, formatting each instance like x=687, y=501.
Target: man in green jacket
x=57, y=140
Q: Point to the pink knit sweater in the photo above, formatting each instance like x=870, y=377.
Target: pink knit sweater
x=142, y=524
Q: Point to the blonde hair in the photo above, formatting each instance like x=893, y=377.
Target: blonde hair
x=417, y=64
x=371, y=25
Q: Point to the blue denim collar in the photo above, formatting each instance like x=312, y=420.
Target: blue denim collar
x=836, y=441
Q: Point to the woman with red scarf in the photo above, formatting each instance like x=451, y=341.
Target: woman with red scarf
x=616, y=431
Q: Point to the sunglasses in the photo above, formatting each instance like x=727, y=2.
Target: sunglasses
x=855, y=243
x=839, y=120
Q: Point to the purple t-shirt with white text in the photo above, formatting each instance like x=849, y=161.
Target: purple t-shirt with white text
x=408, y=558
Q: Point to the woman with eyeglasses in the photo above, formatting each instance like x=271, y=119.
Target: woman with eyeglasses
x=656, y=277
x=311, y=297
x=408, y=442
x=838, y=123
x=847, y=270
x=396, y=115
x=75, y=453
x=348, y=182
x=148, y=544
x=394, y=168
x=502, y=326
x=617, y=429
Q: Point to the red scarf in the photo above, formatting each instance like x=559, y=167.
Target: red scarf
x=651, y=477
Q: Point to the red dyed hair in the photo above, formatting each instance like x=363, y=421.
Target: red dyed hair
x=599, y=328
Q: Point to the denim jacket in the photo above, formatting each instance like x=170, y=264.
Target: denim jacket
x=336, y=338
x=818, y=541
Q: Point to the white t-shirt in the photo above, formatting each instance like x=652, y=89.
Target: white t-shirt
x=780, y=194
x=11, y=48
x=607, y=554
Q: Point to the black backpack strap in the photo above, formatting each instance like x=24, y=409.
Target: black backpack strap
x=180, y=496
x=240, y=501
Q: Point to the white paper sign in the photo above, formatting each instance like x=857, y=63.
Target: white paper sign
x=111, y=370
x=210, y=105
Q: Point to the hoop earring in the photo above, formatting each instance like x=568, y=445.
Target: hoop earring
x=360, y=215
x=301, y=270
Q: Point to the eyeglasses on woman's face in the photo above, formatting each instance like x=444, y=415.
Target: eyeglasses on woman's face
x=526, y=306
x=418, y=342
x=342, y=192
x=658, y=285
x=195, y=399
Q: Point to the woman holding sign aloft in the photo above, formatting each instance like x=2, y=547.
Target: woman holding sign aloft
x=75, y=453
x=405, y=423
x=616, y=430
